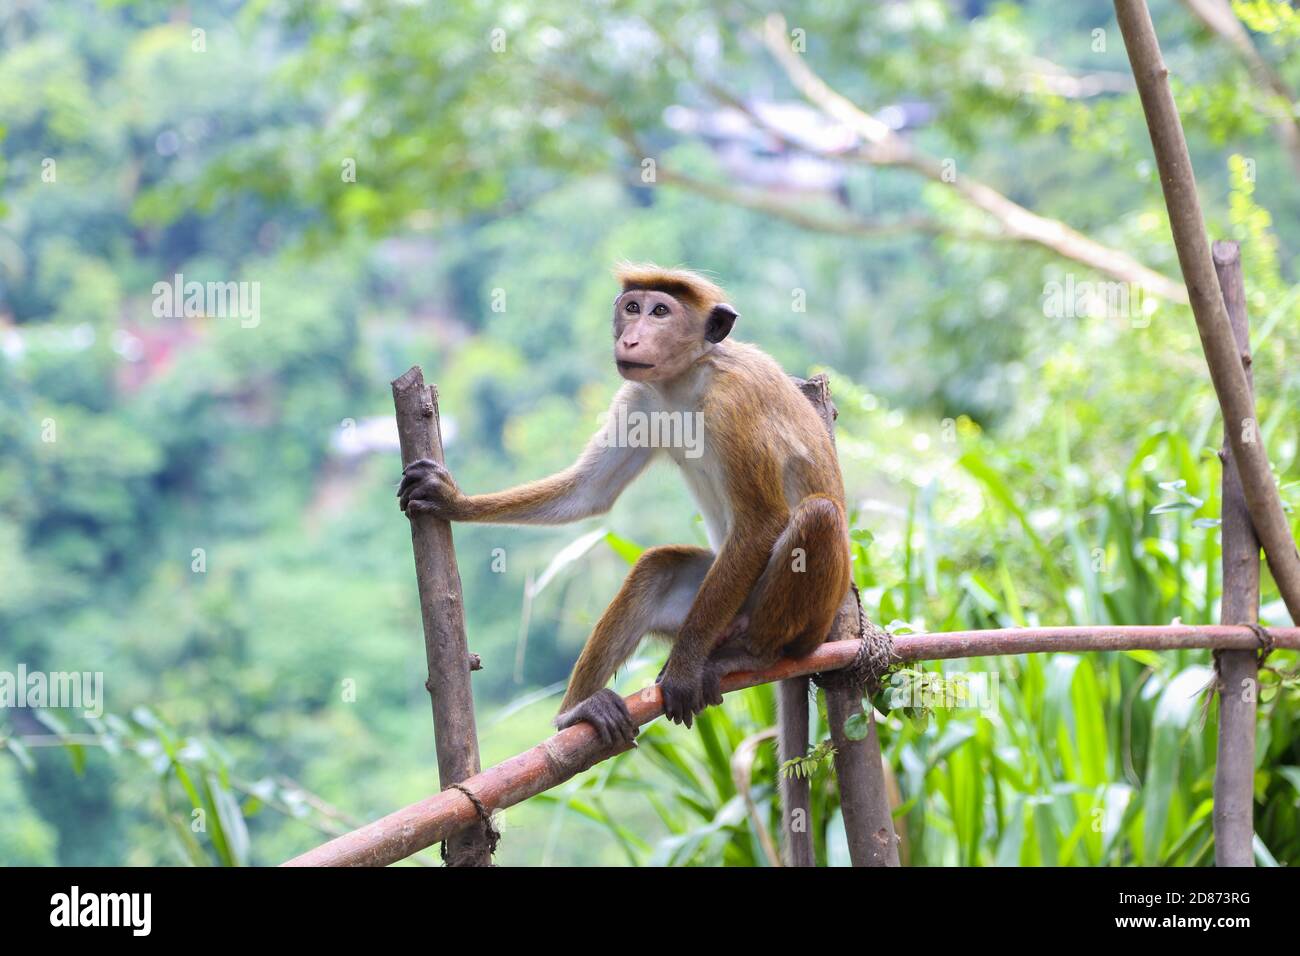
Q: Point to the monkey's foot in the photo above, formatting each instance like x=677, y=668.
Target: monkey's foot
x=607, y=712
x=684, y=697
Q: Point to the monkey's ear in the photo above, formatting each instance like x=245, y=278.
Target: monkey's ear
x=721, y=319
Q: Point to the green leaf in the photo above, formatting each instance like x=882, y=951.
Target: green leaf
x=857, y=726
x=627, y=550
x=1174, y=717
x=1151, y=659
x=1291, y=774
x=566, y=556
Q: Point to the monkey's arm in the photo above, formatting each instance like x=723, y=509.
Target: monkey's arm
x=588, y=487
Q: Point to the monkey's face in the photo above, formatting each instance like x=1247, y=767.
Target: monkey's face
x=657, y=337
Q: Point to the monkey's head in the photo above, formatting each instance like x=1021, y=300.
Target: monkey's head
x=664, y=320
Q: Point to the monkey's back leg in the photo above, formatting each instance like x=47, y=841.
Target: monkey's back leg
x=792, y=607
x=654, y=598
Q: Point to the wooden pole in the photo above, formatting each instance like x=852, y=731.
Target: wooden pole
x=859, y=770
x=955, y=645
x=1234, y=771
x=1221, y=352
x=864, y=800
x=443, y=614
x=796, y=790
x=576, y=748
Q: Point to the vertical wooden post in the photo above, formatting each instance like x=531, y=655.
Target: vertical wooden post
x=864, y=800
x=796, y=791
x=443, y=613
x=1234, y=772
x=859, y=771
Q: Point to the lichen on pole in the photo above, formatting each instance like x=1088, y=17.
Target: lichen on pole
x=443, y=614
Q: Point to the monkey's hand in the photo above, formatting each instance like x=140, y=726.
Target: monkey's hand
x=607, y=712
x=427, y=488
x=687, y=689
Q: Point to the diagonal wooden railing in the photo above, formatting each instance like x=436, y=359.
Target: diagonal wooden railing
x=577, y=748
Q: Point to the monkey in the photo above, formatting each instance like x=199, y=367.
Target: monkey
x=765, y=478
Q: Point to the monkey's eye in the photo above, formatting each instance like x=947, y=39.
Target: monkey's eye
x=633, y=307
x=659, y=309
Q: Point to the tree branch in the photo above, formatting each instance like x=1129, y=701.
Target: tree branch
x=1280, y=101
x=1044, y=76
x=840, y=225
x=758, y=200
x=883, y=147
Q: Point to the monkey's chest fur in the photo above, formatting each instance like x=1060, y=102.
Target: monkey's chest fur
x=715, y=487
x=756, y=442
x=707, y=484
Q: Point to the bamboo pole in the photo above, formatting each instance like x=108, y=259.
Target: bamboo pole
x=859, y=769
x=443, y=614
x=1234, y=770
x=576, y=748
x=868, y=820
x=796, y=789
x=1221, y=353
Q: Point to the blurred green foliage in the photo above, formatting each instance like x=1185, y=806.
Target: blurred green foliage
x=178, y=509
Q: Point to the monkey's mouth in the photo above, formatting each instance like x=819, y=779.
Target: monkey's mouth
x=623, y=366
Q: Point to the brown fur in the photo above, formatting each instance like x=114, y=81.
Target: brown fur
x=770, y=458
x=690, y=287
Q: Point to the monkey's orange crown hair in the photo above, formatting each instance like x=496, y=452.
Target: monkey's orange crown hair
x=691, y=287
